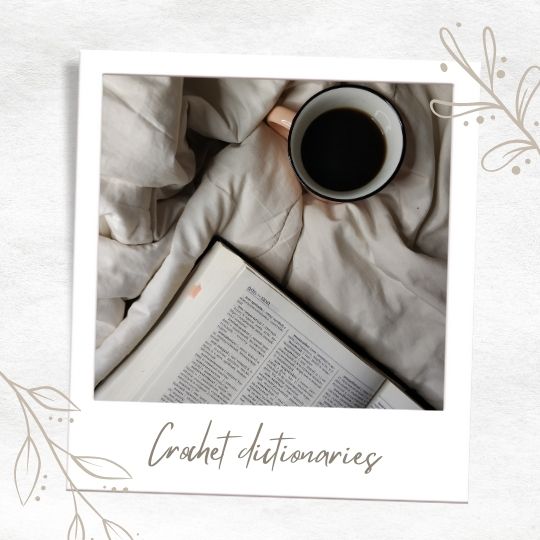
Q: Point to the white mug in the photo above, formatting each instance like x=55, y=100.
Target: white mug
x=382, y=113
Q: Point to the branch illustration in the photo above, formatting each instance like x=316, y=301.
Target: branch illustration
x=28, y=462
x=504, y=153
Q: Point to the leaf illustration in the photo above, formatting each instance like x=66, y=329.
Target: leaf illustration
x=466, y=108
x=76, y=529
x=101, y=467
x=528, y=85
x=450, y=44
x=452, y=47
x=27, y=467
x=490, y=51
x=115, y=531
x=504, y=153
x=52, y=399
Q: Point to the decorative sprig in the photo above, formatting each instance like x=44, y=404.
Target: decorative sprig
x=504, y=153
x=28, y=462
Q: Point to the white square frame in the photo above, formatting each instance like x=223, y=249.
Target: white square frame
x=425, y=453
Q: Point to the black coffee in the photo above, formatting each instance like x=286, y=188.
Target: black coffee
x=343, y=149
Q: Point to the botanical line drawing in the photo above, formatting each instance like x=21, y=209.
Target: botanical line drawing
x=26, y=472
x=504, y=153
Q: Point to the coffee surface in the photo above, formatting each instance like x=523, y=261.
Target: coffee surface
x=343, y=149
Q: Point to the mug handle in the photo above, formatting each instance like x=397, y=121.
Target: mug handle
x=280, y=120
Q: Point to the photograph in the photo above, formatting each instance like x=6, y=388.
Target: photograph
x=272, y=242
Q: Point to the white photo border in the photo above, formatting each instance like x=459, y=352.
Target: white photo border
x=425, y=453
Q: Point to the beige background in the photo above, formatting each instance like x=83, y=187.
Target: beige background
x=39, y=43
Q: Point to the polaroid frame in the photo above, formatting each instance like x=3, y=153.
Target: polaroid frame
x=425, y=454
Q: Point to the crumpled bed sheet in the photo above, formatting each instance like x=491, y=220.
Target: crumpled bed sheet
x=186, y=159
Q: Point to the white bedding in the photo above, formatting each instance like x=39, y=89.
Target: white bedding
x=376, y=269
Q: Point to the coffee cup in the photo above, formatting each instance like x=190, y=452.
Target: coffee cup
x=345, y=143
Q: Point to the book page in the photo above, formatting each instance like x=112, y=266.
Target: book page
x=390, y=396
x=211, y=277
x=257, y=347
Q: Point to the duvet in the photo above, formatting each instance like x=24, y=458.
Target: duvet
x=185, y=159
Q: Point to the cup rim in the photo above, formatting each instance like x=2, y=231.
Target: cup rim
x=390, y=178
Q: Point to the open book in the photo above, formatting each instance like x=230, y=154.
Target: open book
x=231, y=336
